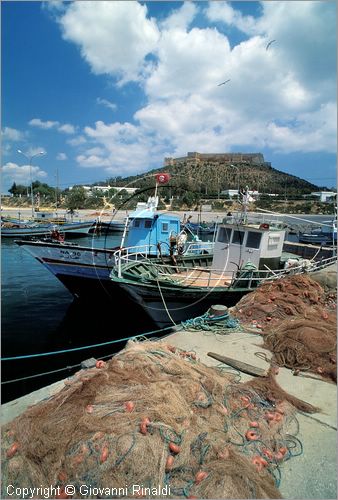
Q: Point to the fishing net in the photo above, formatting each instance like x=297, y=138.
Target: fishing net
x=297, y=319
x=154, y=416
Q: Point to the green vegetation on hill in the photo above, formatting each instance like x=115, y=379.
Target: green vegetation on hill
x=208, y=178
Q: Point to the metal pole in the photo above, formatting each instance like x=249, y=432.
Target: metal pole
x=32, y=197
x=30, y=173
x=56, y=192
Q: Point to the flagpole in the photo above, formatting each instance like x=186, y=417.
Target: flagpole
x=156, y=189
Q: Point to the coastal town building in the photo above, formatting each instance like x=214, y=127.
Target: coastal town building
x=325, y=196
x=90, y=190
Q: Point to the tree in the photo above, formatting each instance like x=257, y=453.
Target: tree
x=18, y=189
x=76, y=198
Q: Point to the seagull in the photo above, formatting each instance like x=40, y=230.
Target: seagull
x=226, y=81
x=268, y=45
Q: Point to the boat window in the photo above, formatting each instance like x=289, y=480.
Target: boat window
x=224, y=234
x=165, y=227
x=147, y=223
x=253, y=240
x=238, y=237
x=137, y=223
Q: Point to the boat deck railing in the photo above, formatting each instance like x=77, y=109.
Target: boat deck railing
x=143, y=252
x=211, y=277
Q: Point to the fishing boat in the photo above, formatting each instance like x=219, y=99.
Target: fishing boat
x=326, y=235
x=245, y=255
x=85, y=271
x=33, y=229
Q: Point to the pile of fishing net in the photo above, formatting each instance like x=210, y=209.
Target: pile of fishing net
x=156, y=417
x=298, y=321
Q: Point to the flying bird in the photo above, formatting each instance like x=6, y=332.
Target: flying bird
x=226, y=81
x=268, y=45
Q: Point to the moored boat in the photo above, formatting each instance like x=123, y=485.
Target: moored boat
x=27, y=230
x=326, y=235
x=245, y=256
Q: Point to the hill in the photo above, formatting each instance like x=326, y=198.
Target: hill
x=211, y=177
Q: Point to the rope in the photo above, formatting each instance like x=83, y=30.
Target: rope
x=40, y=374
x=216, y=324
x=27, y=356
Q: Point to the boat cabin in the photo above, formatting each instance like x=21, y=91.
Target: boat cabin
x=149, y=228
x=250, y=245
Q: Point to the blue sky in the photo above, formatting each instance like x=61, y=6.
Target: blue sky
x=111, y=88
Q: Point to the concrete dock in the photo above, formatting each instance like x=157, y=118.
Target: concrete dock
x=311, y=475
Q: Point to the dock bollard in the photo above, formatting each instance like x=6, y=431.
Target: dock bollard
x=218, y=310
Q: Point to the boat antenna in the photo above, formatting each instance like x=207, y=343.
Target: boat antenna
x=56, y=192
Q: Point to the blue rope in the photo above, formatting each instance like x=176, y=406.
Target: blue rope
x=27, y=356
x=210, y=323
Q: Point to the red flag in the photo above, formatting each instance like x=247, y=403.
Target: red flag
x=162, y=178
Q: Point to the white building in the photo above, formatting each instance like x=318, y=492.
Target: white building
x=234, y=192
x=105, y=189
x=324, y=196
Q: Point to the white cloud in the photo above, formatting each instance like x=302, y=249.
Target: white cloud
x=106, y=103
x=21, y=174
x=223, y=11
x=92, y=161
x=282, y=98
x=67, y=128
x=77, y=141
x=12, y=134
x=180, y=18
x=48, y=124
x=61, y=156
x=192, y=62
x=114, y=37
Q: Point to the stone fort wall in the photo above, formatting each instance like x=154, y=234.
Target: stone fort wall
x=195, y=158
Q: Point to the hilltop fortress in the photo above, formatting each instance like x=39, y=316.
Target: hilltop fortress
x=227, y=158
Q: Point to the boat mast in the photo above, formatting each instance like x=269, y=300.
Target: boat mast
x=56, y=192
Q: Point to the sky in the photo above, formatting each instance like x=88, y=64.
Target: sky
x=111, y=88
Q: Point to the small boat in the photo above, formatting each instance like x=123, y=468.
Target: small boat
x=200, y=229
x=28, y=230
x=326, y=235
x=112, y=226
x=245, y=255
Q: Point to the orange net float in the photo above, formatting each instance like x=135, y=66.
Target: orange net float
x=169, y=463
x=62, y=476
x=12, y=450
x=267, y=453
x=245, y=400
x=129, y=406
x=251, y=435
x=174, y=448
x=62, y=493
x=104, y=454
x=259, y=463
x=254, y=424
x=144, y=425
x=200, y=476
x=278, y=417
x=100, y=364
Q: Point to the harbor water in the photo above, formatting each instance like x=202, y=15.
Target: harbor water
x=39, y=315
